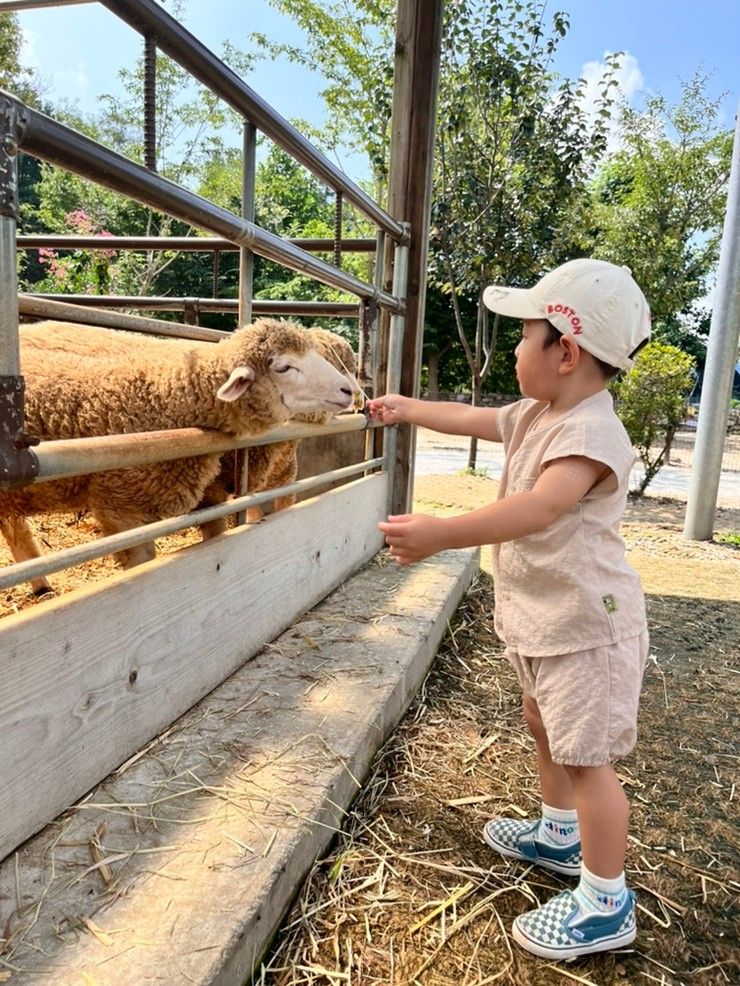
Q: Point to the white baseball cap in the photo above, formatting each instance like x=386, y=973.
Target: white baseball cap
x=597, y=303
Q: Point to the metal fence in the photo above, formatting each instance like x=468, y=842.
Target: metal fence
x=25, y=129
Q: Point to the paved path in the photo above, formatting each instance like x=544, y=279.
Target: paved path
x=446, y=454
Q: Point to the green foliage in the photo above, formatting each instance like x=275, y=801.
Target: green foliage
x=13, y=75
x=659, y=204
x=352, y=47
x=652, y=402
x=515, y=151
x=192, y=130
x=291, y=203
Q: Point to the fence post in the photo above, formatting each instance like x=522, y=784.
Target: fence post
x=418, y=43
x=17, y=465
x=722, y=352
x=246, y=257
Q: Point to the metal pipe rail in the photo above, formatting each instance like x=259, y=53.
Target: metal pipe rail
x=167, y=303
x=150, y=20
x=79, y=456
x=68, y=557
x=45, y=138
x=44, y=308
x=205, y=244
x=8, y=6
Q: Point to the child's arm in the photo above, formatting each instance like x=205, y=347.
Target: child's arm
x=562, y=485
x=449, y=418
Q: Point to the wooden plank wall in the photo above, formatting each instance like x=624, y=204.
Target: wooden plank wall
x=88, y=679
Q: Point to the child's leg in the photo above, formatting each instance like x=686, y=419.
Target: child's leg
x=603, y=818
x=599, y=914
x=555, y=781
x=552, y=840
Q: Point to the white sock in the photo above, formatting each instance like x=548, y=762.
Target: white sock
x=559, y=826
x=597, y=895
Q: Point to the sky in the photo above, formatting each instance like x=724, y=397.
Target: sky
x=664, y=42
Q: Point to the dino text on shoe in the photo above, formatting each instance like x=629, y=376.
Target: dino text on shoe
x=518, y=840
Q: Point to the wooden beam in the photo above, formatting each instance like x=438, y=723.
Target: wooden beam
x=418, y=42
x=93, y=676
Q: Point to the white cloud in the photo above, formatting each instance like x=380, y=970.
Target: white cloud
x=72, y=80
x=629, y=80
x=30, y=50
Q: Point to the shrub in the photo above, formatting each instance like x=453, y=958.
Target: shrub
x=652, y=402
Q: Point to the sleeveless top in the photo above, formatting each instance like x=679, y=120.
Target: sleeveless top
x=567, y=588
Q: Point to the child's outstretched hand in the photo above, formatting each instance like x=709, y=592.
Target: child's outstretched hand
x=412, y=537
x=391, y=409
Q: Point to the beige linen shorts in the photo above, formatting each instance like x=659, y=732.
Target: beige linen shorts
x=588, y=699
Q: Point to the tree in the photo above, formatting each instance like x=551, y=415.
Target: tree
x=193, y=149
x=352, y=47
x=192, y=131
x=14, y=76
x=292, y=203
x=659, y=204
x=652, y=403
x=515, y=150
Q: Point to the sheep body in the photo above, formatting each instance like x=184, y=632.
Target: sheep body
x=242, y=386
x=268, y=466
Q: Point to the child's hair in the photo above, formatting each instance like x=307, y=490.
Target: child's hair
x=554, y=335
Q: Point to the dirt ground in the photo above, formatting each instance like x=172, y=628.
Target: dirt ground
x=411, y=895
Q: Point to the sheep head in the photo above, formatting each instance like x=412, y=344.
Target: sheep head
x=340, y=354
x=280, y=374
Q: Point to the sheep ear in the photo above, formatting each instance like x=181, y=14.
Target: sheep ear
x=239, y=382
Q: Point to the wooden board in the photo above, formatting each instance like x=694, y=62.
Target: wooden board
x=92, y=677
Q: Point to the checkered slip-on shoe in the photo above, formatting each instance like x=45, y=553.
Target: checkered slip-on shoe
x=558, y=930
x=518, y=840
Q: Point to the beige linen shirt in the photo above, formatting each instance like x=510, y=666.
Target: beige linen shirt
x=567, y=588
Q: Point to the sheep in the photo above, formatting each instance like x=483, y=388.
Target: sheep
x=242, y=386
x=268, y=466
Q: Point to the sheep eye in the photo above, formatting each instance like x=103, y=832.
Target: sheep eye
x=284, y=369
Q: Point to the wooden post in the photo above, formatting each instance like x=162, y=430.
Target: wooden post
x=418, y=41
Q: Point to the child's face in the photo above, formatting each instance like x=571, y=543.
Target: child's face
x=536, y=367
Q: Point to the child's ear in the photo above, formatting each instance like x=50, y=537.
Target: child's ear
x=570, y=354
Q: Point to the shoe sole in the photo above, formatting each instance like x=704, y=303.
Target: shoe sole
x=572, y=951
x=546, y=864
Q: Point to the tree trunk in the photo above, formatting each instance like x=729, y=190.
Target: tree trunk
x=476, y=396
x=433, y=359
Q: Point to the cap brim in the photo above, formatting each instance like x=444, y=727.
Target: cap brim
x=514, y=302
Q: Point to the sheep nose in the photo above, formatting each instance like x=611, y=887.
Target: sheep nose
x=348, y=391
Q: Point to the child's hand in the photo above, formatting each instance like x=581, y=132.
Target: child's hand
x=391, y=409
x=412, y=537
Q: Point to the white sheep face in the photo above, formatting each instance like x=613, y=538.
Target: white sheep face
x=305, y=382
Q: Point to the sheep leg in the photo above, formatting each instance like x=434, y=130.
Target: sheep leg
x=116, y=522
x=282, y=502
x=214, y=494
x=253, y=515
x=132, y=557
x=23, y=547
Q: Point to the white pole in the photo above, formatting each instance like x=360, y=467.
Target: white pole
x=722, y=352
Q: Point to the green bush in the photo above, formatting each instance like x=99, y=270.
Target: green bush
x=652, y=402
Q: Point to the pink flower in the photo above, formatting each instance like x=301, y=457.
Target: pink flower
x=79, y=220
x=50, y=258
